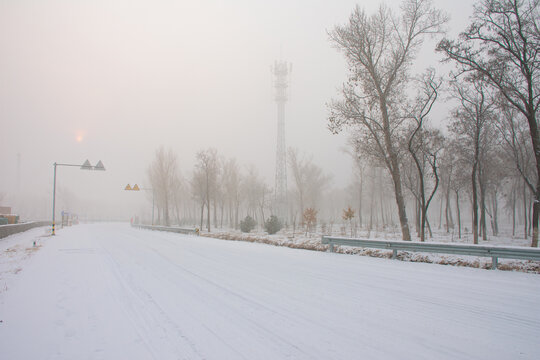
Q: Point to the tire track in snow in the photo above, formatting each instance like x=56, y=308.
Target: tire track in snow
x=197, y=280
x=285, y=315
x=146, y=315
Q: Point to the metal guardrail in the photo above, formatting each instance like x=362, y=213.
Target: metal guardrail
x=168, y=228
x=6, y=230
x=494, y=252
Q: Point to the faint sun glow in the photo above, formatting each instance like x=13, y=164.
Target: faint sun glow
x=79, y=138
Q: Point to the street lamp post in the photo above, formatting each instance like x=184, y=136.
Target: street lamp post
x=85, y=166
x=137, y=188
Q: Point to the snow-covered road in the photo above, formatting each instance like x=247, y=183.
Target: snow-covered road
x=107, y=291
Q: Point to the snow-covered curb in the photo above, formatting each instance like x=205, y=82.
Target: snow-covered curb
x=311, y=243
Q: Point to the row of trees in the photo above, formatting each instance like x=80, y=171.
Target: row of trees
x=220, y=192
x=236, y=192
x=492, y=142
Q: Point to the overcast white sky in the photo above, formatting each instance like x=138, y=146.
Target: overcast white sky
x=114, y=80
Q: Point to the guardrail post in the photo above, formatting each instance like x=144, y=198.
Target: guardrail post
x=394, y=254
x=493, y=263
x=331, y=247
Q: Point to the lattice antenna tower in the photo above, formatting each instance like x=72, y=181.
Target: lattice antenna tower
x=281, y=71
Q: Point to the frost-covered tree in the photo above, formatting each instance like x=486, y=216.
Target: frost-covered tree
x=502, y=46
x=231, y=180
x=472, y=127
x=163, y=173
x=518, y=151
x=380, y=49
x=198, y=191
x=424, y=144
x=309, y=179
x=256, y=193
x=208, y=166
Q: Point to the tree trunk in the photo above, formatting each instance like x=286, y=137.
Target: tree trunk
x=215, y=212
x=482, y=186
x=448, y=212
x=494, y=211
x=530, y=218
x=406, y=235
x=166, y=213
x=458, y=213
x=440, y=211
x=236, y=215
x=372, y=202
x=208, y=214
x=230, y=213
x=447, y=220
x=393, y=166
x=202, y=215
x=381, y=206
x=423, y=211
x=418, y=215
x=536, y=209
x=524, y=211
x=513, y=210
x=222, y=211
x=360, y=201
x=533, y=129
x=429, y=228
x=177, y=212
x=474, y=206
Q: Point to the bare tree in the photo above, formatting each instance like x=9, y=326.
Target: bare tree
x=255, y=191
x=178, y=197
x=515, y=144
x=453, y=178
x=208, y=165
x=163, y=174
x=309, y=179
x=512, y=199
x=412, y=183
x=502, y=45
x=297, y=171
x=359, y=173
x=380, y=49
x=198, y=191
x=425, y=144
x=231, y=183
x=473, y=117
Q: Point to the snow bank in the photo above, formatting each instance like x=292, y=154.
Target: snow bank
x=313, y=242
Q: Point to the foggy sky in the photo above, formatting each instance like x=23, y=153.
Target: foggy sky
x=114, y=80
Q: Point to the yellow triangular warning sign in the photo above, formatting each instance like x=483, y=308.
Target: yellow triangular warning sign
x=128, y=187
x=135, y=187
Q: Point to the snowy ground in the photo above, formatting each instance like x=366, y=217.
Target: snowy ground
x=107, y=291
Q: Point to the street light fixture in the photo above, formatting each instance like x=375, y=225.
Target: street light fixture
x=85, y=166
x=137, y=188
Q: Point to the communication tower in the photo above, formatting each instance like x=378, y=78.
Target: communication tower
x=281, y=71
